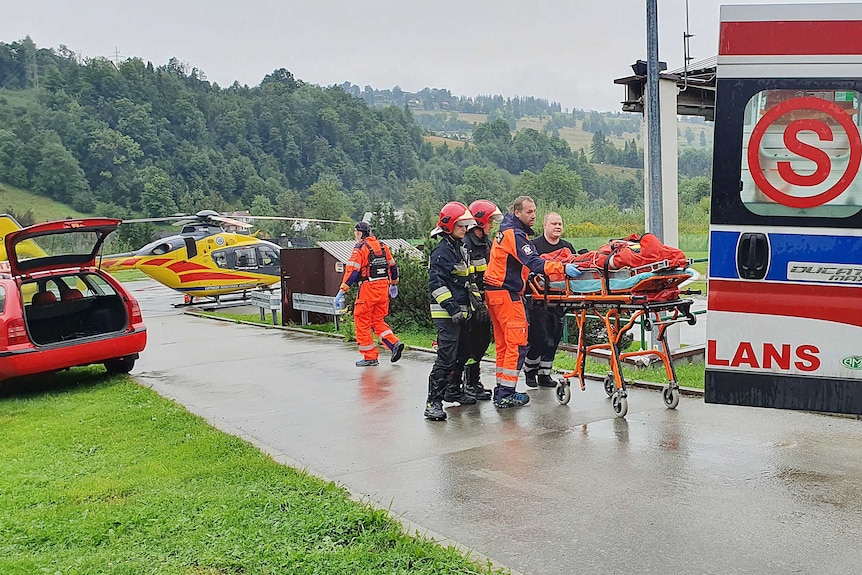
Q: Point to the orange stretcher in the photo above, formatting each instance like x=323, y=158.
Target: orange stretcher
x=621, y=298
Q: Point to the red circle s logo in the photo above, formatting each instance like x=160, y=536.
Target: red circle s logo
x=820, y=158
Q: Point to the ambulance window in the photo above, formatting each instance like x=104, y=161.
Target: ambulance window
x=801, y=152
x=2, y=299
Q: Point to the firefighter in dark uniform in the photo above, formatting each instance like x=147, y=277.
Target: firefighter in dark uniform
x=478, y=245
x=449, y=287
x=546, y=324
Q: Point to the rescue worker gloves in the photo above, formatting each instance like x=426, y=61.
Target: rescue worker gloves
x=573, y=271
x=481, y=314
x=344, y=288
x=339, y=300
x=393, y=291
x=460, y=317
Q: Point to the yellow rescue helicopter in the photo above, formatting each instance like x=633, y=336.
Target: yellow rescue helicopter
x=204, y=260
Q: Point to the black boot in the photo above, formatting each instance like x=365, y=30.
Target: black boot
x=546, y=381
x=455, y=394
x=434, y=411
x=530, y=377
x=472, y=385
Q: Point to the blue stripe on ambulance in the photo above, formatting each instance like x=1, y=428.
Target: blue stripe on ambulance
x=783, y=248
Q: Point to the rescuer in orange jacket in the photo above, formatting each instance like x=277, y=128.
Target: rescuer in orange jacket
x=513, y=257
x=372, y=266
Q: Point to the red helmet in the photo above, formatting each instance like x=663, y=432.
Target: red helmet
x=485, y=211
x=450, y=214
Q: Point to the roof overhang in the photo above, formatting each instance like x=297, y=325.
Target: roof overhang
x=696, y=85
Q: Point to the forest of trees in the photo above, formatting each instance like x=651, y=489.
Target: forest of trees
x=132, y=138
x=441, y=99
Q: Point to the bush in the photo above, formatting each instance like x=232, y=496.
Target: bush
x=595, y=333
x=409, y=311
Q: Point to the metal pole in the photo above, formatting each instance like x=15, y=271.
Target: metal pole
x=655, y=224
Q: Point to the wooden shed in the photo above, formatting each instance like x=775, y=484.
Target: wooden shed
x=319, y=271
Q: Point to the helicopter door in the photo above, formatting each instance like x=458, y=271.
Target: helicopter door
x=191, y=247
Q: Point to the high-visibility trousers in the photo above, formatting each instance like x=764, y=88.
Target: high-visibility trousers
x=543, y=336
x=369, y=311
x=510, y=334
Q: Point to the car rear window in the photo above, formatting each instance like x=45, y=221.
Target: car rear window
x=72, y=286
x=2, y=299
x=99, y=285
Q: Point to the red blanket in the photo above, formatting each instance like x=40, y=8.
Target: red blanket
x=630, y=252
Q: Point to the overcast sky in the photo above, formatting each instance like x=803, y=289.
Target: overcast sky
x=567, y=51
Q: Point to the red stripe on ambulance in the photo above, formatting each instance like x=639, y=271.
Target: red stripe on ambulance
x=819, y=37
x=811, y=301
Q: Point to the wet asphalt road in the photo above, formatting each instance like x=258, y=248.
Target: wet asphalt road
x=541, y=489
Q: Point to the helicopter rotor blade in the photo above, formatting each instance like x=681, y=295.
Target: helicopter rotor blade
x=286, y=219
x=231, y=221
x=166, y=219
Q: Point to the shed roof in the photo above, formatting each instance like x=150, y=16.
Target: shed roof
x=341, y=250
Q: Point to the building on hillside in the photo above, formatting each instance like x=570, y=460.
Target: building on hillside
x=399, y=215
x=243, y=216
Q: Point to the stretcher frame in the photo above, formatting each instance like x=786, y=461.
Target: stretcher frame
x=620, y=310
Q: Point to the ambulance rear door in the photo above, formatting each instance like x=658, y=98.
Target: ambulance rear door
x=784, y=327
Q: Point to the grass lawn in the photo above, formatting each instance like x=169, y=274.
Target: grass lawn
x=100, y=475
x=129, y=275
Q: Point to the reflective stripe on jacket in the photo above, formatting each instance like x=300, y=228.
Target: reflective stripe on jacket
x=448, y=279
x=513, y=257
x=478, y=251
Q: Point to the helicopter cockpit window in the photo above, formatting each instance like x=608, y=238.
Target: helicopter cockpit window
x=268, y=256
x=163, y=246
x=220, y=259
x=246, y=258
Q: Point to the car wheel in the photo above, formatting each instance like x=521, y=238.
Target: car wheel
x=121, y=365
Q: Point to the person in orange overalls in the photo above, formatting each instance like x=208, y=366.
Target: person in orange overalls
x=372, y=266
x=513, y=257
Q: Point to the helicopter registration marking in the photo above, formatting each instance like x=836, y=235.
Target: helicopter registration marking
x=220, y=287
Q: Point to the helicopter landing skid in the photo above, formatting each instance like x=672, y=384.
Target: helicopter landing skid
x=213, y=303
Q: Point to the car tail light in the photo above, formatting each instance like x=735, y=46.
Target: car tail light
x=16, y=333
x=135, y=310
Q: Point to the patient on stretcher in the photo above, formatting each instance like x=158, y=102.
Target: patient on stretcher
x=634, y=265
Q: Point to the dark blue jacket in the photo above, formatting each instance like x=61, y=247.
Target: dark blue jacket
x=448, y=279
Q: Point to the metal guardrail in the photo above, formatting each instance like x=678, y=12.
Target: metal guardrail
x=323, y=304
x=267, y=300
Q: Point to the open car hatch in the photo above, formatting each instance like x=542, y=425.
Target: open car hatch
x=57, y=245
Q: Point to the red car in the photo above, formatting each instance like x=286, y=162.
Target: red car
x=57, y=309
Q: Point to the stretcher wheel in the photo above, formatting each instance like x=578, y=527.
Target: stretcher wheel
x=692, y=320
x=609, y=385
x=670, y=395
x=620, y=404
x=563, y=393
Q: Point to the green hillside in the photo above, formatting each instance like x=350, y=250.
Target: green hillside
x=18, y=201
